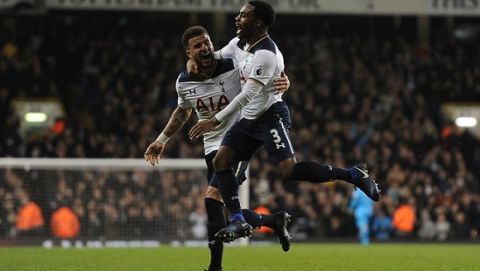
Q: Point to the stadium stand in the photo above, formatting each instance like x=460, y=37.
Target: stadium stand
x=362, y=90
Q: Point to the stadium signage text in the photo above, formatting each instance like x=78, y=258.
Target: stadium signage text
x=183, y=5
x=466, y=5
x=371, y=7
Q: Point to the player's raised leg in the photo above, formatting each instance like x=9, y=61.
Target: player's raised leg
x=314, y=172
x=277, y=125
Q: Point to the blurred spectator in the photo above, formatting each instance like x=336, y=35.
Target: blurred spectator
x=442, y=227
x=198, y=220
x=427, y=229
x=64, y=223
x=382, y=225
x=29, y=219
x=404, y=219
x=460, y=228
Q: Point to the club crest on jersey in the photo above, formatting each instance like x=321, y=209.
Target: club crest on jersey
x=259, y=71
x=221, y=84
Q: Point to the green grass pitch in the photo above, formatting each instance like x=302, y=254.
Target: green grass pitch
x=302, y=257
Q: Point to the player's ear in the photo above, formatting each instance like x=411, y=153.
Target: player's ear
x=188, y=54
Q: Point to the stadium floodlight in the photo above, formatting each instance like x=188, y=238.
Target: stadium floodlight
x=35, y=117
x=466, y=121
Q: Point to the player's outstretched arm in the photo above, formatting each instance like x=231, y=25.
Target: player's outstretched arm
x=178, y=118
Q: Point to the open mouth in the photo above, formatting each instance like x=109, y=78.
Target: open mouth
x=238, y=29
x=206, y=56
x=206, y=59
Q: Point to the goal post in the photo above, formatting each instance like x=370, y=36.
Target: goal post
x=115, y=200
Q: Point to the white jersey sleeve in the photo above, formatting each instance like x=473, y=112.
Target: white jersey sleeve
x=228, y=51
x=182, y=100
x=264, y=64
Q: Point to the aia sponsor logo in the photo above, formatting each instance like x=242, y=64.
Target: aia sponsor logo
x=210, y=105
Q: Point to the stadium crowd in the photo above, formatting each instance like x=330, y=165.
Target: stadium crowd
x=355, y=96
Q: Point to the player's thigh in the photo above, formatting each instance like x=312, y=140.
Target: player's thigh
x=277, y=134
x=244, y=138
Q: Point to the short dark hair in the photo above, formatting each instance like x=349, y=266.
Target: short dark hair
x=264, y=12
x=191, y=32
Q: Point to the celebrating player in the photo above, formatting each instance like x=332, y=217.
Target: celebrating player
x=265, y=120
x=216, y=83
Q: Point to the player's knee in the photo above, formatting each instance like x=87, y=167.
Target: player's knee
x=221, y=162
x=285, y=169
x=213, y=193
x=217, y=163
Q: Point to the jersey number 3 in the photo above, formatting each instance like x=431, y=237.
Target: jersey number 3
x=277, y=139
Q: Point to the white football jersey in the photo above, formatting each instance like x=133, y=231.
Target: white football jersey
x=262, y=62
x=209, y=96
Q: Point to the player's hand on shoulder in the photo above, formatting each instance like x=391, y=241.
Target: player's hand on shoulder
x=282, y=83
x=154, y=152
x=202, y=127
x=192, y=68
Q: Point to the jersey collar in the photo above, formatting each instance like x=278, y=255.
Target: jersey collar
x=256, y=42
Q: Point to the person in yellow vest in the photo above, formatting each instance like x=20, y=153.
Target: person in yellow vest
x=64, y=223
x=29, y=218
